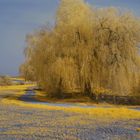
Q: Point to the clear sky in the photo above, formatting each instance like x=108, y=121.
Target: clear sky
x=20, y=17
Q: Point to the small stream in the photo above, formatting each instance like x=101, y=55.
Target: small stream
x=30, y=94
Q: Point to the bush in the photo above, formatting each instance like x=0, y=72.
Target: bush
x=5, y=81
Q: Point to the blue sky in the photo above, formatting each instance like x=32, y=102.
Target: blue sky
x=20, y=17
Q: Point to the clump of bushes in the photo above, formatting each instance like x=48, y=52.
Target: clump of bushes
x=5, y=81
x=102, y=91
x=85, y=49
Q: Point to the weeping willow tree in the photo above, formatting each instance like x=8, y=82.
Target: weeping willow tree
x=86, y=49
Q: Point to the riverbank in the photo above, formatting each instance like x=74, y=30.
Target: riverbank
x=33, y=119
x=28, y=98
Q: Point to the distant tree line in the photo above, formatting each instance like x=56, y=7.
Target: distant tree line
x=88, y=50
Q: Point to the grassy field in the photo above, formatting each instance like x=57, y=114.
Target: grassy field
x=30, y=123
x=15, y=87
x=113, y=112
x=29, y=120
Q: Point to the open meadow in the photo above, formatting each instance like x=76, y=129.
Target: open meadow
x=29, y=120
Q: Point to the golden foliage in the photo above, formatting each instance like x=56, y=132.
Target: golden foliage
x=86, y=49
